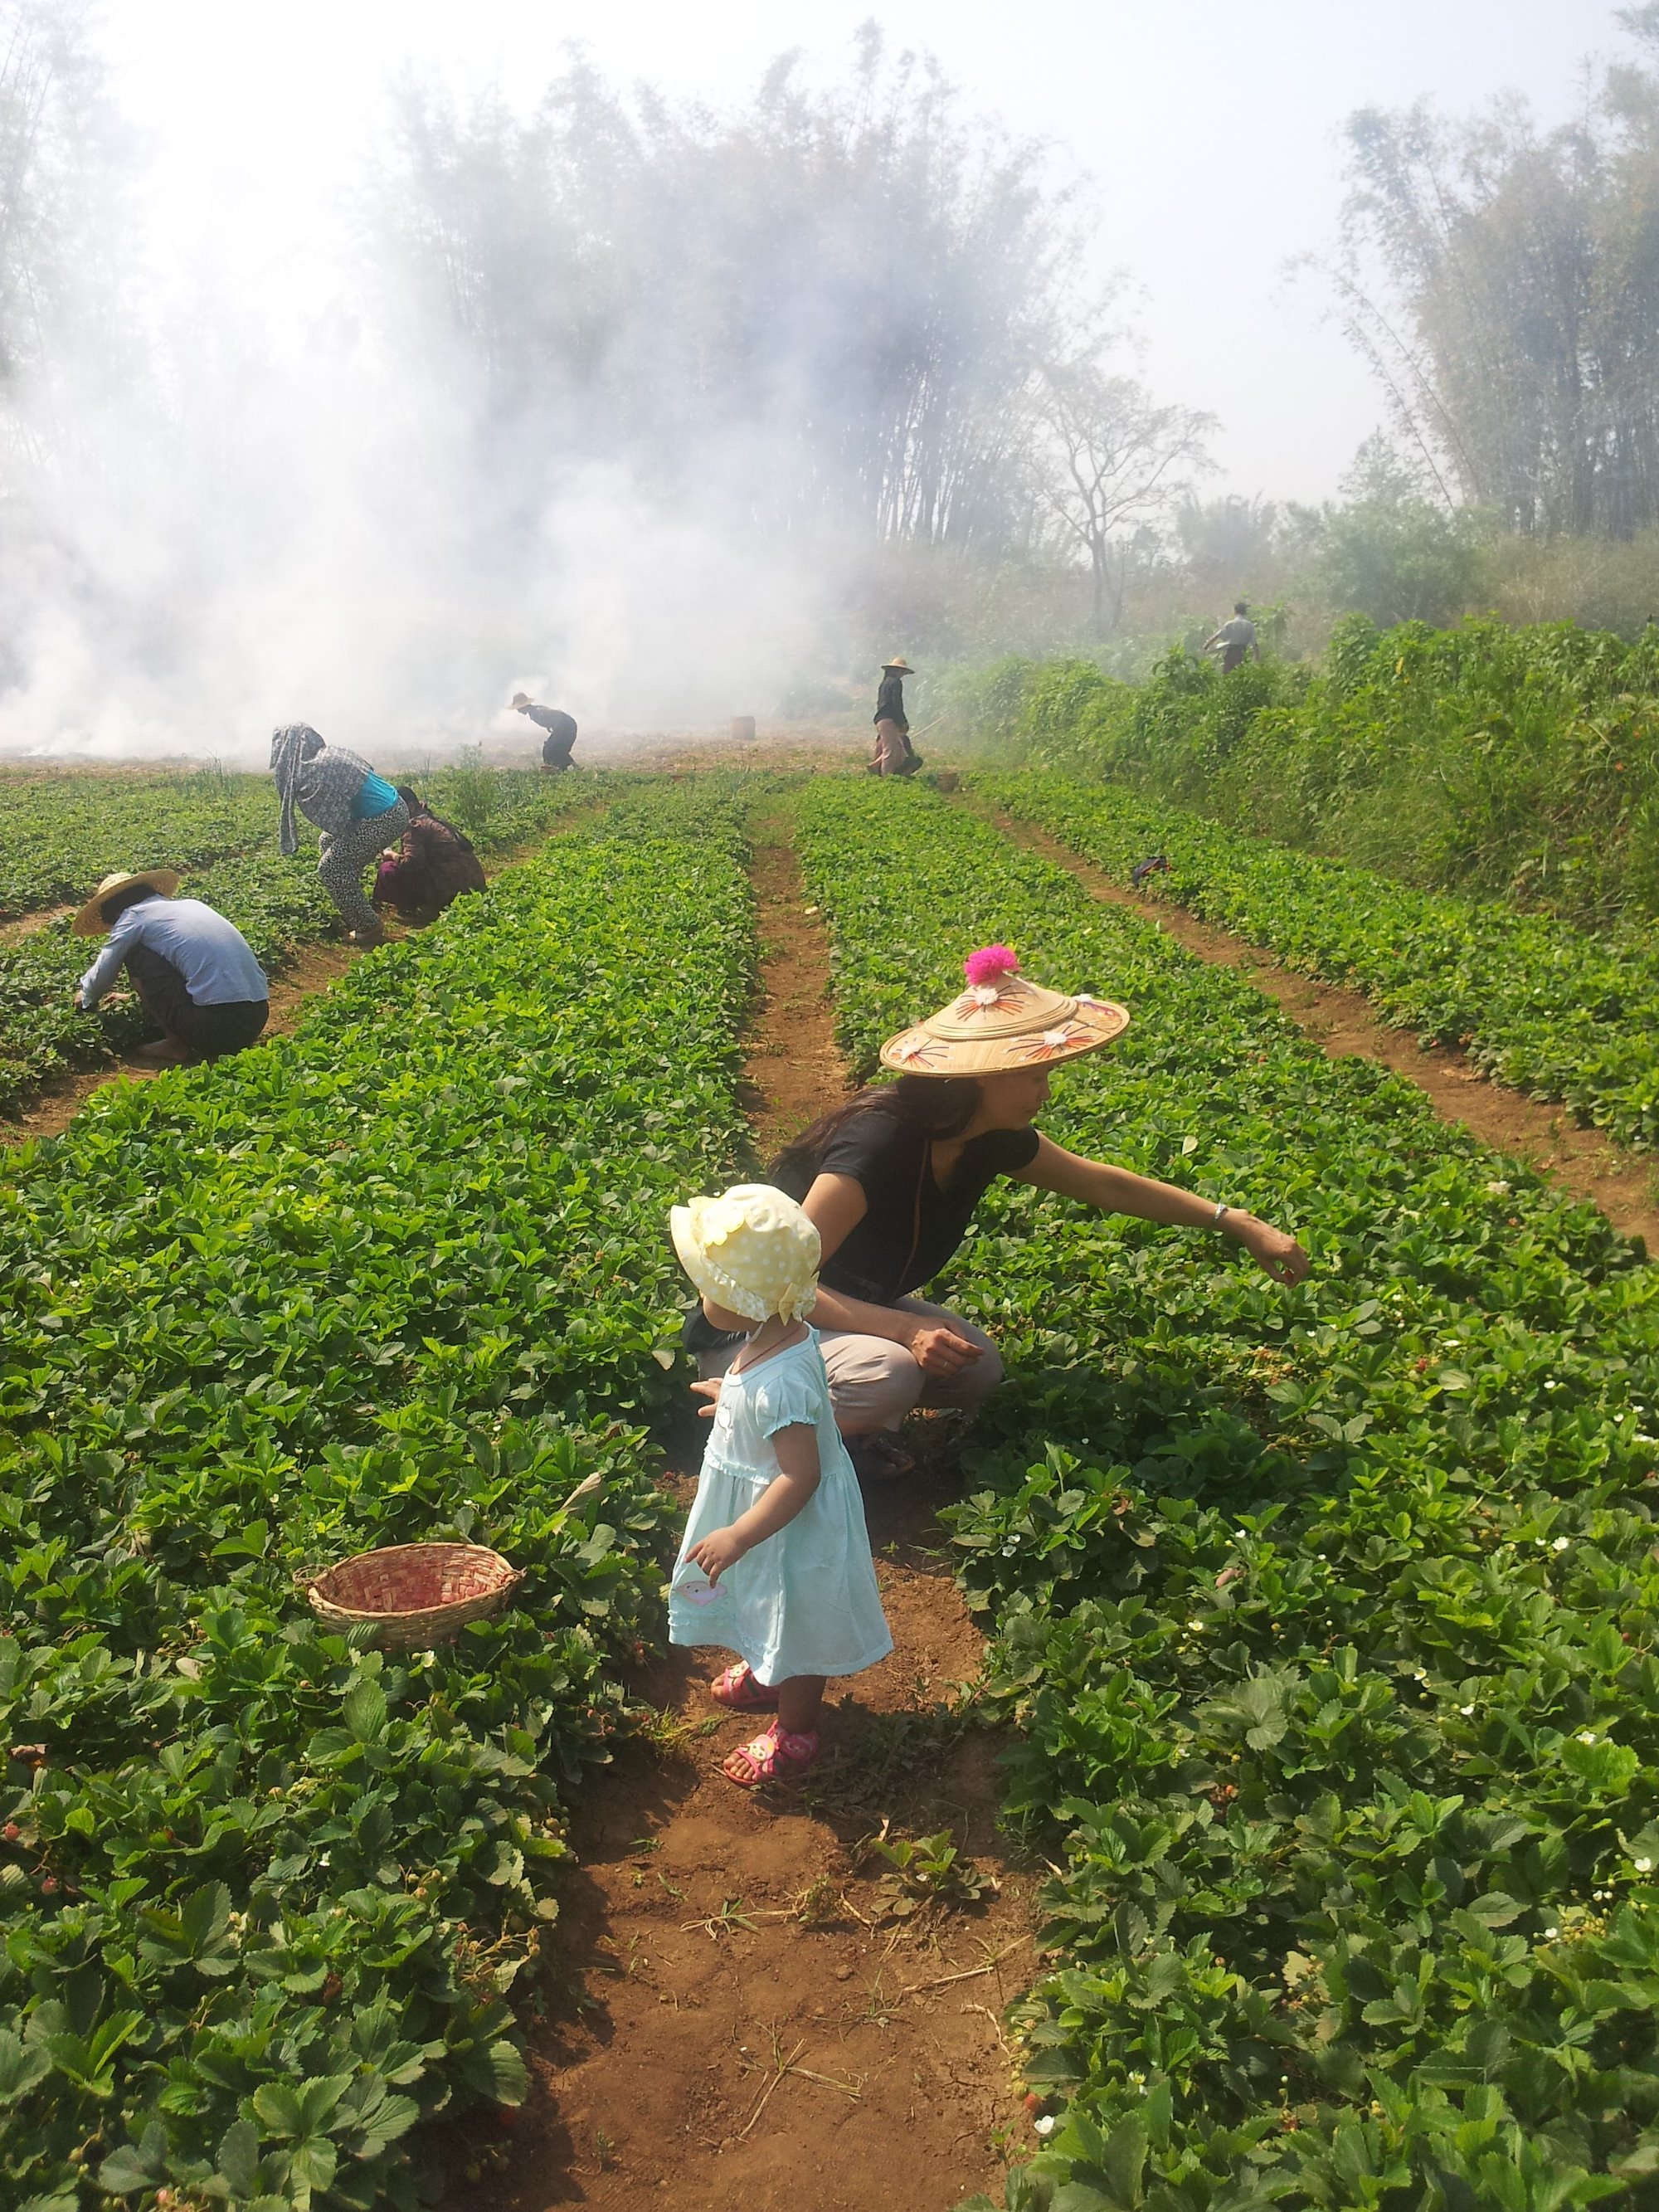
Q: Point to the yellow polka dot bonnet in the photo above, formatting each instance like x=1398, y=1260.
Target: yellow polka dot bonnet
x=751, y=1250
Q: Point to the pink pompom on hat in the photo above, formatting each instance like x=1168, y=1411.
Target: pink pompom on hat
x=1001, y=1021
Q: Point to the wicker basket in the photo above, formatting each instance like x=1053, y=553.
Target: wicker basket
x=413, y=1595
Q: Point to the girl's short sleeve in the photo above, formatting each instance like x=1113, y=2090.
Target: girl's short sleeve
x=793, y=1399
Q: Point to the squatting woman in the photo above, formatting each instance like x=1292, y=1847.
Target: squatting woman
x=892, y=1180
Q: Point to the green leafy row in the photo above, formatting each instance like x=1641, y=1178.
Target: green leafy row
x=62, y=830
x=1539, y=1004
x=266, y=1899
x=1327, y=1617
x=278, y=905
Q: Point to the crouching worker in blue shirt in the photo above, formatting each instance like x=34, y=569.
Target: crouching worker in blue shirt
x=194, y=971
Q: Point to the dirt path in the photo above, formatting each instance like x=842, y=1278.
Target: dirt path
x=740, y=2024
x=1580, y=1160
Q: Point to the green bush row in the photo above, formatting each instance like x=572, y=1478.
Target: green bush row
x=267, y=1899
x=1538, y=1004
x=1327, y=1617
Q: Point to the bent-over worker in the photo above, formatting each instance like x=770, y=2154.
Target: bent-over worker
x=1236, y=638
x=354, y=812
x=561, y=729
x=895, y=754
x=194, y=972
x=430, y=869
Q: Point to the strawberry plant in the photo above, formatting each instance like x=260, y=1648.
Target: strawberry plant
x=1326, y=1616
x=270, y=1900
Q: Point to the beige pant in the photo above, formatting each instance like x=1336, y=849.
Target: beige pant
x=891, y=751
x=874, y=1383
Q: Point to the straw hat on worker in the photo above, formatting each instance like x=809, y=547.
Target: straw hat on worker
x=90, y=922
x=892, y=1179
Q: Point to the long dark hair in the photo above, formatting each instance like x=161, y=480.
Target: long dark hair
x=938, y=1105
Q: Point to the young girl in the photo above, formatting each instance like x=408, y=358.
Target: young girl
x=776, y=1565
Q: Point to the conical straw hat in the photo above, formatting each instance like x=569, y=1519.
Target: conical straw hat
x=1002, y=1021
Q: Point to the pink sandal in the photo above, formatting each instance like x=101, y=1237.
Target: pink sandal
x=770, y=1756
x=740, y=1692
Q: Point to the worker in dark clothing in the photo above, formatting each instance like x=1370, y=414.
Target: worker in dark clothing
x=1236, y=639
x=194, y=972
x=895, y=754
x=560, y=730
x=430, y=867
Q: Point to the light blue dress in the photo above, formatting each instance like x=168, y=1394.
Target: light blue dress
x=804, y=1602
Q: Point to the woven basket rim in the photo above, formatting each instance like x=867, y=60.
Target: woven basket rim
x=320, y=1596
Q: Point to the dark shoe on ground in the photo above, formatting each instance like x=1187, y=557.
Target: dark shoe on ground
x=879, y=1457
x=366, y=940
x=167, y=1052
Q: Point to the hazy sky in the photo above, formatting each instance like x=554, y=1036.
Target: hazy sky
x=1210, y=133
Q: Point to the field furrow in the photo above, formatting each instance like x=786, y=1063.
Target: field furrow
x=1538, y=1004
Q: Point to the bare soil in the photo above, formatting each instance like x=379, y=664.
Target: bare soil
x=738, y=2023
x=792, y=1068
x=1581, y=1161
x=26, y=925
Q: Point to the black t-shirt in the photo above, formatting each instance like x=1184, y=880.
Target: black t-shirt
x=890, y=702
x=912, y=1226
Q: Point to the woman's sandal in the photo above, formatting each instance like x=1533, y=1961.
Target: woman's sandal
x=878, y=1456
x=737, y=1690
x=770, y=1756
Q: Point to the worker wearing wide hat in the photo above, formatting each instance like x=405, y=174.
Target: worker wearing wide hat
x=895, y=754
x=561, y=729
x=194, y=971
x=892, y=1180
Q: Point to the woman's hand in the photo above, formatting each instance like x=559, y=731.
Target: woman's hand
x=937, y=1349
x=1274, y=1252
x=719, y=1549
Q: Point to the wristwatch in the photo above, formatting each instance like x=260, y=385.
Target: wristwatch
x=1221, y=1213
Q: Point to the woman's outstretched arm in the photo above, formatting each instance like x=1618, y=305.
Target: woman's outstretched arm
x=1116, y=1190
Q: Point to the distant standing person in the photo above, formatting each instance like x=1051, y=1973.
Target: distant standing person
x=894, y=755
x=194, y=971
x=354, y=812
x=1236, y=638
x=561, y=729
